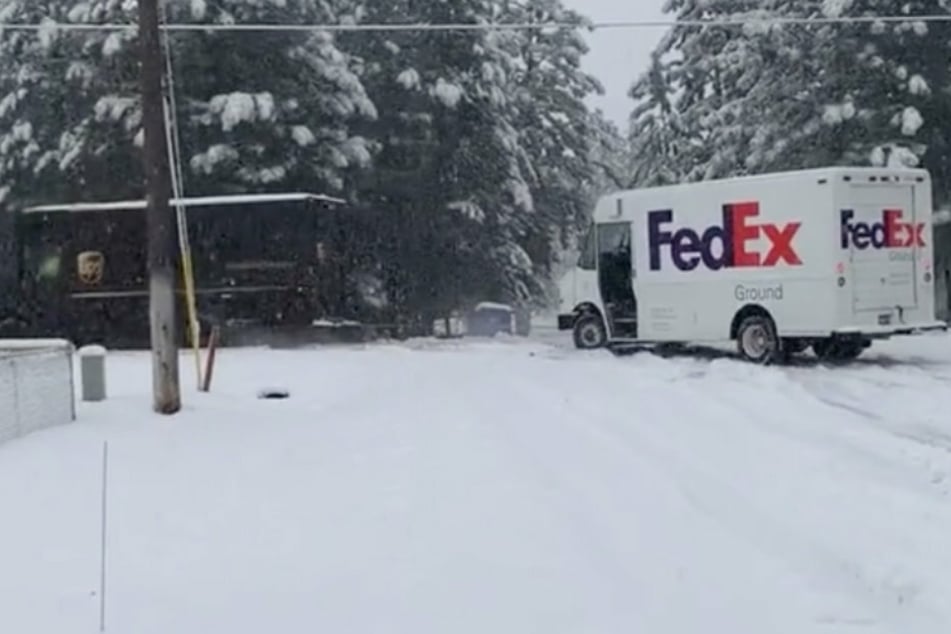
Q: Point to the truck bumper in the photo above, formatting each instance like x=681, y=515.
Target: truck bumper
x=567, y=321
x=887, y=331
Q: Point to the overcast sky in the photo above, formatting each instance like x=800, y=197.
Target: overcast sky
x=618, y=56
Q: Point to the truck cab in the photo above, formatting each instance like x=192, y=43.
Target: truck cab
x=598, y=297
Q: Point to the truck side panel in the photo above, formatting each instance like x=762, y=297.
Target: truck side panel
x=710, y=251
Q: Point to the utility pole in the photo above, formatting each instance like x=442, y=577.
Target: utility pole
x=166, y=390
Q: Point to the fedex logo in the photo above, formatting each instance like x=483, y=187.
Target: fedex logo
x=688, y=247
x=889, y=233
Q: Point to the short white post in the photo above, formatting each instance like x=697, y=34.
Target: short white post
x=92, y=365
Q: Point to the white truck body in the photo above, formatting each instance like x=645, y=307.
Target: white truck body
x=825, y=253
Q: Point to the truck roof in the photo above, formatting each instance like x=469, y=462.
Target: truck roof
x=200, y=201
x=606, y=206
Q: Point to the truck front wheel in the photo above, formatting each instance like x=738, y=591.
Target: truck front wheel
x=757, y=340
x=589, y=332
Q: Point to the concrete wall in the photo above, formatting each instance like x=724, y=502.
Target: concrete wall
x=37, y=389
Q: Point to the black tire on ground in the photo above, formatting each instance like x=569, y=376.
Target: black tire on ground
x=589, y=332
x=833, y=351
x=757, y=341
x=795, y=346
x=669, y=349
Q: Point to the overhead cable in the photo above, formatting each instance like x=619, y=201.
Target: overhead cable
x=483, y=26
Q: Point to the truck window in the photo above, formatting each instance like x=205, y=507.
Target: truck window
x=587, y=261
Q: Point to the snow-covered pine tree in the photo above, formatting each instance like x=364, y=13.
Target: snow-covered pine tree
x=555, y=128
x=68, y=110
x=451, y=166
x=610, y=155
x=912, y=91
x=657, y=137
x=800, y=92
x=268, y=110
x=771, y=97
x=255, y=112
x=704, y=87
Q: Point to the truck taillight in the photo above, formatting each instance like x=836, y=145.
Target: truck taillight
x=840, y=269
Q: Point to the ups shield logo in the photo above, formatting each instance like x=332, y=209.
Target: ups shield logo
x=90, y=266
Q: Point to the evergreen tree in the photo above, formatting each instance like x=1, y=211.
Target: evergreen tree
x=268, y=110
x=255, y=111
x=610, y=157
x=68, y=111
x=487, y=148
x=911, y=91
x=656, y=131
x=476, y=144
x=558, y=133
x=766, y=97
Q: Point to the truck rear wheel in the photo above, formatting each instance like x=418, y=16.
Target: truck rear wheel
x=757, y=340
x=834, y=351
x=589, y=332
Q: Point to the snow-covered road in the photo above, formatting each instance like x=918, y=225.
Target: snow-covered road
x=495, y=487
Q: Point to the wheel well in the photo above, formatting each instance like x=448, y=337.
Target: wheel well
x=750, y=310
x=587, y=308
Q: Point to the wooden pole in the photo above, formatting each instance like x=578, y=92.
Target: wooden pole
x=161, y=222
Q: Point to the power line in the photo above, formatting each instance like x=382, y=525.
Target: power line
x=510, y=26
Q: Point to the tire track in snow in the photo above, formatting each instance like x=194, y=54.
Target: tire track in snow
x=455, y=433
x=656, y=466
x=618, y=584
x=921, y=429
x=815, y=426
x=723, y=501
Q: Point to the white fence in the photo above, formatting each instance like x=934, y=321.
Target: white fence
x=36, y=386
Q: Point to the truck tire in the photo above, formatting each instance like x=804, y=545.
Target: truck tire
x=589, y=332
x=757, y=341
x=832, y=351
x=795, y=346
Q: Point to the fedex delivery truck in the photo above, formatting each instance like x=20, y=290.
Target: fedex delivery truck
x=829, y=259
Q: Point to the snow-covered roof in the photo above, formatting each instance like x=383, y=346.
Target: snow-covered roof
x=493, y=306
x=201, y=201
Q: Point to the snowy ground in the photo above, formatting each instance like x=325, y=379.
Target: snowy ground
x=494, y=487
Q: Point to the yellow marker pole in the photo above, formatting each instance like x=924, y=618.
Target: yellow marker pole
x=194, y=328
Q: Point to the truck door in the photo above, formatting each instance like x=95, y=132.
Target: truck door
x=615, y=278
x=880, y=229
